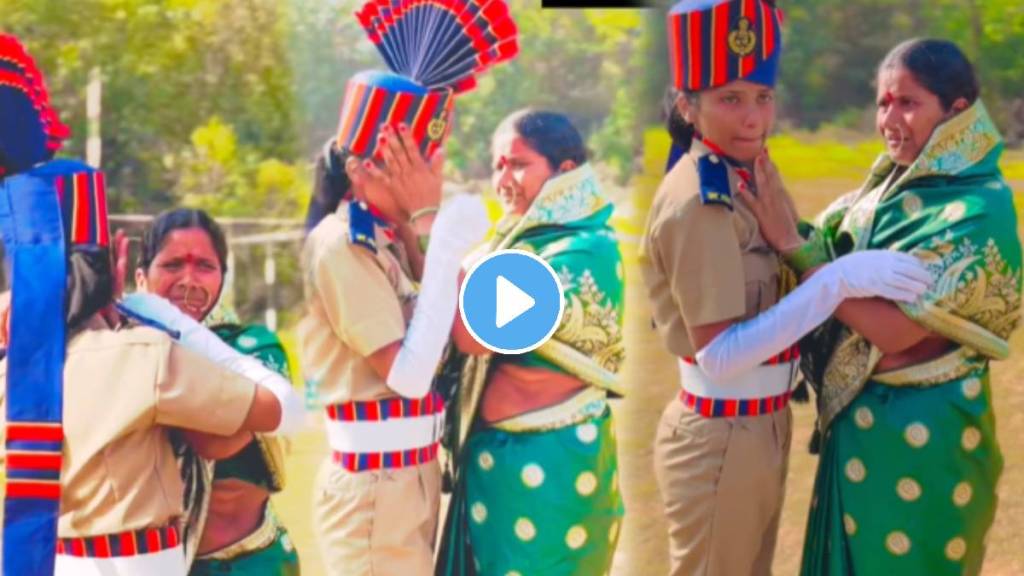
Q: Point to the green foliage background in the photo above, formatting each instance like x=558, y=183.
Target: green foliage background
x=222, y=104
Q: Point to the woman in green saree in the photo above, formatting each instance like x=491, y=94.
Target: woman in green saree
x=230, y=526
x=909, y=458
x=532, y=441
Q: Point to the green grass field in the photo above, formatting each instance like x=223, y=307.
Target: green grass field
x=817, y=169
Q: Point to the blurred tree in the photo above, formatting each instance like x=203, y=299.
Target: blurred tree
x=168, y=66
x=272, y=75
x=587, y=64
x=833, y=48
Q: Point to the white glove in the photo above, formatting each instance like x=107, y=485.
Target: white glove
x=461, y=224
x=198, y=338
x=866, y=274
x=880, y=273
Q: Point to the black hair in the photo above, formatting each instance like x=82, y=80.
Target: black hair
x=90, y=285
x=681, y=131
x=550, y=134
x=181, y=219
x=331, y=184
x=938, y=65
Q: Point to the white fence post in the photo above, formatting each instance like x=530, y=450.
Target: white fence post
x=270, y=278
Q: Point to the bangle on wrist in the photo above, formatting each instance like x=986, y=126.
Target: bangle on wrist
x=422, y=212
x=807, y=256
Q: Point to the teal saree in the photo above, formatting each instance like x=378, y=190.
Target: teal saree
x=909, y=458
x=538, y=493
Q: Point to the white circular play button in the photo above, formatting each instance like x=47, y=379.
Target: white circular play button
x=511, y=301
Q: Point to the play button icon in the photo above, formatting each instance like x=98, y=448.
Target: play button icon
x=511, y=301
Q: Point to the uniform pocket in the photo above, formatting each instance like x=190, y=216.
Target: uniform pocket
x=685, y=422
x=706, y=429
x=761, y=271
x=755, y=296
x=669, y=422
x=343, y=512
x=404, y=520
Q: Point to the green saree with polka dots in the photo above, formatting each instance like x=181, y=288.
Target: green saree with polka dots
x=906, y=483
x=538, y=494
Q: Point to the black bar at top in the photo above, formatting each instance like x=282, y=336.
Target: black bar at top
x=595, y=4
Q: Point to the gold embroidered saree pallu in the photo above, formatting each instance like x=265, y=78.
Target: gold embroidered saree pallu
x=543, y=459
x=909, y=460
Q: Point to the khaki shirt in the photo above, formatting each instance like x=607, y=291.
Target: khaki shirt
x=357, y=302
x=121, y=388
x=703, y=263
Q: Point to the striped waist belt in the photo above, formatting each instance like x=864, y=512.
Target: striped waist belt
x=761, y=390
x=132, y=543
x=387, y=433
x=363, y=461
x=718, y=408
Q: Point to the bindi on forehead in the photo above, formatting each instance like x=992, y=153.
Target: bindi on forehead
x=190, y=254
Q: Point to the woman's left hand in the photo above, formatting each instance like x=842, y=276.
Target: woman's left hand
x=119, y=254
x=415, y=181
x=772, y=206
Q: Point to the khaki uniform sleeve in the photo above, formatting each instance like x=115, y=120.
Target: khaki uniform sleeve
x=359, y=301
x=696, y=249
x=196, y=393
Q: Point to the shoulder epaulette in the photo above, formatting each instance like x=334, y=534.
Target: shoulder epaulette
x=361, y=229
x=714, y=180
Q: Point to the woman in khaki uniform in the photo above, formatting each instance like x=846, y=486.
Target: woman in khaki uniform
x=101, y=476
x=377, y=494
x=125, y=384
x=380, y=310
x=722, y=445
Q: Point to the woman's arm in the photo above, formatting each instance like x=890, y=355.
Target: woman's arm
x=742, y=345
x=464, y=341
x=701, y=336
x=275, y=407
x=382, y=359
x=882, y=323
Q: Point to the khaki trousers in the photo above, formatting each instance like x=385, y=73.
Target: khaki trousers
x=379, y=522
x=722, y=481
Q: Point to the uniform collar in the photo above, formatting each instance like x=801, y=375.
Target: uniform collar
x=380, y=223
x=711, y=148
